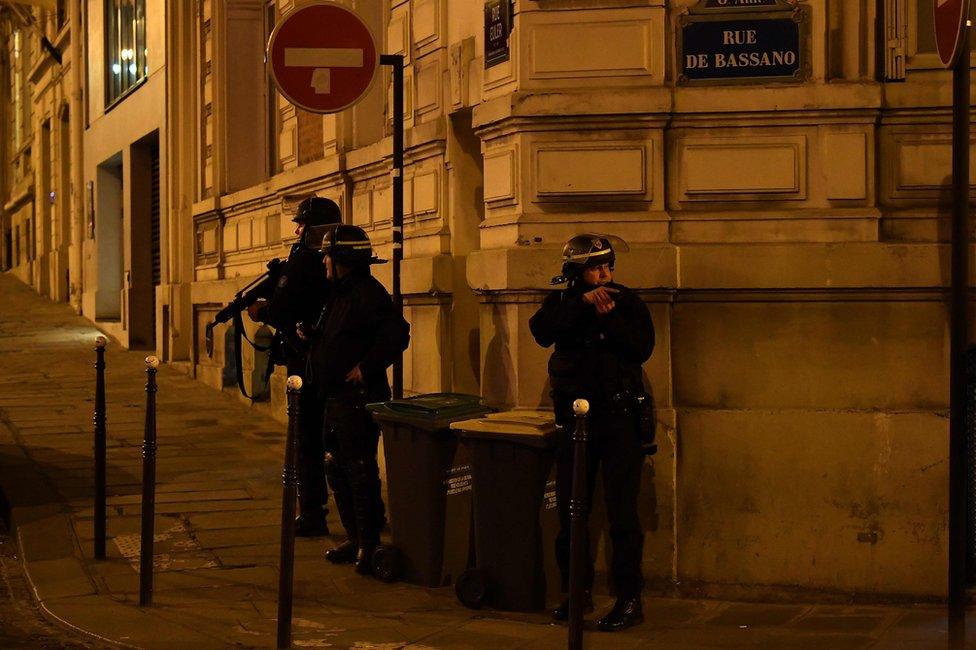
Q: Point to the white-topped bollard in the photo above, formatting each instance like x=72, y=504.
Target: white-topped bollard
x=578, y=511
x=148, y=487
x=98, y=420
x=289, y=492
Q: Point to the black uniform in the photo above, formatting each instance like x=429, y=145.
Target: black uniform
x=359, y=325
x=299, y=296
x=598, y=358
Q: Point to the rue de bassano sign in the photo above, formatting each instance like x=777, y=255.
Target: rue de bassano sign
x=743, y=41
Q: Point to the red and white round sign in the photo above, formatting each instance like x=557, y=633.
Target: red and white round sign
x=950, y=15
x=322, y=57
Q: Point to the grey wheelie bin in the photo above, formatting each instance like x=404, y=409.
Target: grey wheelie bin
x=511, y=455
x=423, y=475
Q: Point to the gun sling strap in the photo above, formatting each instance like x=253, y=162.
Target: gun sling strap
x=239, y=366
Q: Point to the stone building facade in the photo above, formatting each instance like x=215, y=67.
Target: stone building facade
x=35, y=215
x=789, y=237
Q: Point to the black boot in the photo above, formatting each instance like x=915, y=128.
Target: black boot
x=626, y=612
x=364, y=481
x=344, y=553
x=561, y=611
x=342, y=493
x=364, y=560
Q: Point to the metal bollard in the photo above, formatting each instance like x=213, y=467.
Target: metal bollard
x=289, y=481
x=148, y=487
x=99, y=448
x=578, y=510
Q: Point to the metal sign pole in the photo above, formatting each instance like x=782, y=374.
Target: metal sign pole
x=959, y=340
x=396, y=62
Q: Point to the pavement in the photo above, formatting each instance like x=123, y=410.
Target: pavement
x=217, y=529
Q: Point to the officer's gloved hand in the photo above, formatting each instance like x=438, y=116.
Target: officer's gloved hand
x=254, y=309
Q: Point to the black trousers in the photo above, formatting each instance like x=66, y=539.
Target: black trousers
x=614, y=444
x=313, y=495
x=350, y=439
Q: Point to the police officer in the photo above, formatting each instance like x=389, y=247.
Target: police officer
x=602, y=333
x=299, y=296
x=358, y=336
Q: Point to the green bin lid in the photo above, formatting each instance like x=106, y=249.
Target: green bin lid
x=430, y=411
x=525, y=426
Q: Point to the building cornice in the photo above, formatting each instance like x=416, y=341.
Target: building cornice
x=21, y=194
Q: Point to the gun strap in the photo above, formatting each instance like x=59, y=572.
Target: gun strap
x=238, y=335
x=259, y=348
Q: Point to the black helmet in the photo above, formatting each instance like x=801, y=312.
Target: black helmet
x=349, y=246
x=317, y=211
x=584, y=251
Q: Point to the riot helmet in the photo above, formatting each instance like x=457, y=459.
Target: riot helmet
x=584, y=251
x=349, y=246
x=317, y=211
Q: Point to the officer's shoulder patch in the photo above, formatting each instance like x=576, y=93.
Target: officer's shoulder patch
x=282, y=281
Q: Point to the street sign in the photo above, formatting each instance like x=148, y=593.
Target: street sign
x=743, y=41
x=949, y=18
x=322, y=57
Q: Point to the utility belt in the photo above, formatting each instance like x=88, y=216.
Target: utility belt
x=641, y=406
x=638, y=405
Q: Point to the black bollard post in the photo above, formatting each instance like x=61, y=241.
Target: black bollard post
x=148, y=487
x=289, y=481
x=99, y=448
x=578, y=508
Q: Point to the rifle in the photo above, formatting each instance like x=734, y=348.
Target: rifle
x=261, y=287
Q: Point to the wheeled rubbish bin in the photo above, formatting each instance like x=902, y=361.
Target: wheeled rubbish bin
x=420, y=452
x=511, y=455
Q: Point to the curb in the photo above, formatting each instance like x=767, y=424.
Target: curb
x=56, y=567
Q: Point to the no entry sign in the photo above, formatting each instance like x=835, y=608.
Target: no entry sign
x=322, y=57
x=949, y=18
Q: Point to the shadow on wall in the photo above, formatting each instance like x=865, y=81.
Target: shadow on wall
x=474, y=352
x=260, y=380
x=498, y=386
x=229, y=371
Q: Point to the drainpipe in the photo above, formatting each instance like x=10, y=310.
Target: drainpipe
x=76, y=118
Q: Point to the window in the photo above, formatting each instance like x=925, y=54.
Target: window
x=17, y=90
x=125, y=47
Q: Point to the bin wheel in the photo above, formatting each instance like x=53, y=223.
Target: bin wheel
x=386, y=563
x=471, y=588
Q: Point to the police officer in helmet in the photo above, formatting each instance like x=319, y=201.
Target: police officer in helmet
x=299, y=296
x=358, y=336
x=602, y=332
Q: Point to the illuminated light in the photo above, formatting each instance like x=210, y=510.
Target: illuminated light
x=132, y=68
x=116, y=68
